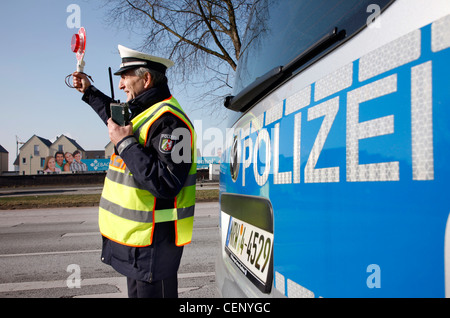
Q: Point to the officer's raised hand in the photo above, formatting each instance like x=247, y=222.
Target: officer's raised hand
x=81, y=82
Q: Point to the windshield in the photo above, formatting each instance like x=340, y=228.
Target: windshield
x=280, y=30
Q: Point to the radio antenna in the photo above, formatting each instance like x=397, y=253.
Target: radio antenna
x=111, y=83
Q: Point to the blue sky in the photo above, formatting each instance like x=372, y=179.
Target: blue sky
x=35, y=58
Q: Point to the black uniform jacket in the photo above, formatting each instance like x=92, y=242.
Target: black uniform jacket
x=155, y=171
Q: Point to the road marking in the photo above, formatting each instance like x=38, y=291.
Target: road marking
x=80, y=234
x=119, y=282
x=195, y=275
x=51, y=253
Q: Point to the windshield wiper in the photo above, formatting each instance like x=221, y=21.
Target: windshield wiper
x=265, y=83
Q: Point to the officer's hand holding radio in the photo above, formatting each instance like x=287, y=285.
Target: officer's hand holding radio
x=117, y=132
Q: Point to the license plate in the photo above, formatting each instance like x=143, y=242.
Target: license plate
x=250, y=248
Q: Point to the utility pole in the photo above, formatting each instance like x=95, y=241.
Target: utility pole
x=17, y=145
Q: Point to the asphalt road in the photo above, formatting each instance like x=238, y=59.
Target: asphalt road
x=54, y=253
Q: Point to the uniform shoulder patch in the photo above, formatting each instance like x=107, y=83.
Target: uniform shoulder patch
x=166, y=142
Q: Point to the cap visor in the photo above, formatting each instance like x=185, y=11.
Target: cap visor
x=124, y=69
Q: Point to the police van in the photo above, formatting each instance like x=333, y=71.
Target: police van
x=335, y=180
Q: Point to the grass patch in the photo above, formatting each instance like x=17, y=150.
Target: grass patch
x=207, y=195
x=76, y=200
x=49, y=201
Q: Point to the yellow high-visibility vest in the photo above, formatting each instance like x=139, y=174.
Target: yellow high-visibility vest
x=127, y=212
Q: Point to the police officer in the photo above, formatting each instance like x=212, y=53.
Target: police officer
x=147, y=205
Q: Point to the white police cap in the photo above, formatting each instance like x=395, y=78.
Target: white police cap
x=133, y=59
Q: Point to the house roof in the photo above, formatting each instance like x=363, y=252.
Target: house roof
x=46, y=142
x=73, y=141
x=3, y=149
x=76, y=144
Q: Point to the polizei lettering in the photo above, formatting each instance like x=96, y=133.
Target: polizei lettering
x=359, y=132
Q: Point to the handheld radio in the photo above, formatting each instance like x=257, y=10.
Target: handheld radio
x=120, y=113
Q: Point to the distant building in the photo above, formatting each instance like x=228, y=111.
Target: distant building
x=94, y=154
x=3, y=160
x=31, y=158
x=109, y=150
x=32, y=155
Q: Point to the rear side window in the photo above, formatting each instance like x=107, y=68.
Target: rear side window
x=280, y=30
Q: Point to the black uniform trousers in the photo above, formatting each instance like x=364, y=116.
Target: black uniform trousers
x=151, y=271
x=167, y=259
x=165, y=288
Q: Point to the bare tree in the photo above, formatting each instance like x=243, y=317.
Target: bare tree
x=203, y=37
